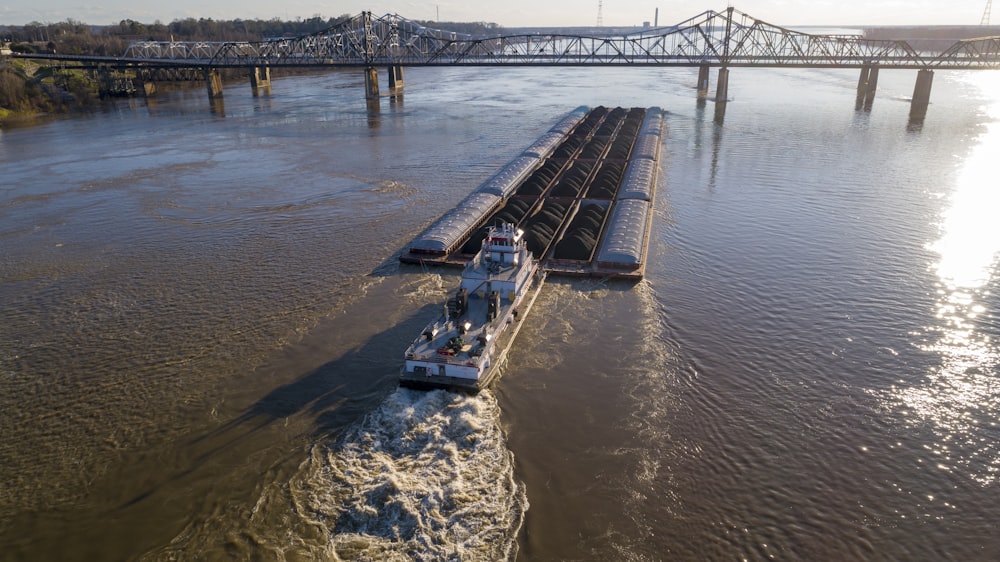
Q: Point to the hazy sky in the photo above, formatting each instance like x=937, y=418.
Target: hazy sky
x=510, y=13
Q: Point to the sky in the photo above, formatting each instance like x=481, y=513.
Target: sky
x=508, y=13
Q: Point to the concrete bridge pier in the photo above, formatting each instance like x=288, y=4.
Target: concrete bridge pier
x=145, y=78
x=395, y=78
x=721, y=95
x=867, y=84
x=722, y=87
x=213, y=82
x=260, y=77
x=371, y=83
x=859, y=102
x=703, y=75
x=872, y=86
x=921, y=95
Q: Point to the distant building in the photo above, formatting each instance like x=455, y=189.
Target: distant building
x=5, y=49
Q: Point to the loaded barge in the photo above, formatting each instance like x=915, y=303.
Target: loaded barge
x=582, y=193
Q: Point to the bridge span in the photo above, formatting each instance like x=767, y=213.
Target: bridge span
x=722, y=40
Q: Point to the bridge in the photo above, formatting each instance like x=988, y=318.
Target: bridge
x=721, y=40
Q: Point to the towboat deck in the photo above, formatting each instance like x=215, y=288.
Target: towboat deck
x=465, y=347
x=450, y=356
x=427, y=379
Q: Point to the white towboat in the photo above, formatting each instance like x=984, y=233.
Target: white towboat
x=464, y=348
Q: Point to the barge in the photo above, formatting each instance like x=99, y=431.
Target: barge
x=465, y=347
x=583, y=194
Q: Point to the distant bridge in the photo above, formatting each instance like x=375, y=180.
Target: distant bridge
x=711, y=39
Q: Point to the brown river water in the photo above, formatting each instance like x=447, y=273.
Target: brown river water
x=202, y=317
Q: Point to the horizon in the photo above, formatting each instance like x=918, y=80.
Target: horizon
x=513, y=14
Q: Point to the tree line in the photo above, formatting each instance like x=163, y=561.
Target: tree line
x=29, y=89
x=77, y=38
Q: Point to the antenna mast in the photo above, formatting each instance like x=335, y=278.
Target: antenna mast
x=600, y=13
x=986, y=13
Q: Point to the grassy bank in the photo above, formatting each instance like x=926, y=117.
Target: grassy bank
x=28, y=90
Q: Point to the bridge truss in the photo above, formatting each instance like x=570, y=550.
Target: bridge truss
x=729, y=38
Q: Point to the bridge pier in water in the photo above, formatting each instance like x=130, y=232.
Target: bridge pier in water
x=703, y=75
x=722, y=87
x=213, y=82
x=921, y=95
x=721, y=95
x=260, y=77
x=371, y=83
x=867, y=84
x=859, y=101
x=395, y=78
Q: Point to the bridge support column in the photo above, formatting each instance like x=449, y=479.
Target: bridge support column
x=703, y=75
x=721, y=95
x=260, y=77
x=867, y=84
x=145, y=79
x=921, y=95
x=395, y=77
x=371, y=83
x=872, y=86
x=213, y=82
x=859, y=102
x=722, y=87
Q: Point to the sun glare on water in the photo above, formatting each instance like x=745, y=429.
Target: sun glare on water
x=959, y=395
x=970, y=237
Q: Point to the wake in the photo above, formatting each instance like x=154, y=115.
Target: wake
x=426, y=476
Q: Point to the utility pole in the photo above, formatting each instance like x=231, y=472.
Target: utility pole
x=600, y=13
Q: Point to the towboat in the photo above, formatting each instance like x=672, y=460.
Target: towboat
x=464, y=348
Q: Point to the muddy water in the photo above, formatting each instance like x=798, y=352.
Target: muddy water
x=202, y=318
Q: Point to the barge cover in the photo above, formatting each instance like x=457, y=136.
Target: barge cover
x=583, y=193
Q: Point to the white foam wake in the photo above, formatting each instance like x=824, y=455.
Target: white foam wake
x=426, y=476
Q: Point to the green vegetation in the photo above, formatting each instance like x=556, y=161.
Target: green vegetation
x=27, y=90
x=73, y=37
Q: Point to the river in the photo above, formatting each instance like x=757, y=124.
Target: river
x=203, y=318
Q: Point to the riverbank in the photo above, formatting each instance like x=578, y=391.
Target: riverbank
x=17, y=118
x=29, y=91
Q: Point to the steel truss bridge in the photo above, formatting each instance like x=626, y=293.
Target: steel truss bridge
x=719, y=39
x=711, y=39
x=729, y=38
